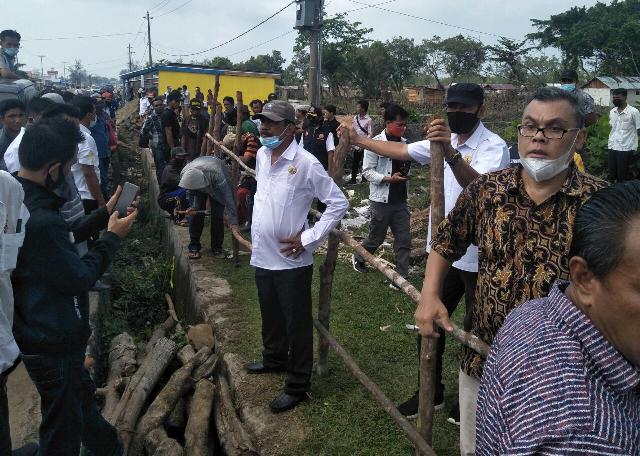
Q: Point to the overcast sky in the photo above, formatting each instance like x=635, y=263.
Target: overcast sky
x=188, y=26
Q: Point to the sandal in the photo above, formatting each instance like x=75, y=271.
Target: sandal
x=194, y=255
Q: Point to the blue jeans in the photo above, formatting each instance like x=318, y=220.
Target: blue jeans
x=69, y=413
x=160, y=160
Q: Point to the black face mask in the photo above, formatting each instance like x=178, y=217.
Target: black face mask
x=53, y=185
x=462, y=122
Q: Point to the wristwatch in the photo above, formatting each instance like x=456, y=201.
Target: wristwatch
x=453, y=160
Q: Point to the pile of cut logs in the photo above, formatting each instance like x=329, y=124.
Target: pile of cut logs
x=172, y=401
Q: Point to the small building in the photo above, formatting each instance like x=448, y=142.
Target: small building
x=498, y=87
x=253, y=85
x=600, y=89
x=424, y=95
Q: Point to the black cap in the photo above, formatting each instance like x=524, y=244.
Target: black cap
x=569, y=75
x=466, y=93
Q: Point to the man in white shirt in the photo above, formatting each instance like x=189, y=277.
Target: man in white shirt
x=13, y=218
x=185, y=96
x=86, y=171
x=288, y=178
x=470, y=150
x=623, y=138
x=363, y=126
x=146, y=103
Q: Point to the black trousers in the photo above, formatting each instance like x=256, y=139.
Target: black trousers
x=358, y=155
x=69, y=412
x=620, y=162
x=196, y=225
x=287, y=323
x=457, y=283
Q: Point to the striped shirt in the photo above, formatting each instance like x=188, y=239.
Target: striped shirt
x=553, y=385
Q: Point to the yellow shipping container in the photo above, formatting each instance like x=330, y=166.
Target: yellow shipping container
x=252, y=85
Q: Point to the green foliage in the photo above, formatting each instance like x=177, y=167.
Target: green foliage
x=603, y=38
x=595, y=158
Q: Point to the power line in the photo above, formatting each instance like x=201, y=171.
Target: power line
x=176, y=8
x=261, y=44
x=235, y=37
x=159, y=6
x=78, y=37
x=428, y=20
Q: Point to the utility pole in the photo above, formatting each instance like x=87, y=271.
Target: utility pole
x=309, y=18
x=42, y=68
x=64, y=70
x=130, y=63
x=149, y=36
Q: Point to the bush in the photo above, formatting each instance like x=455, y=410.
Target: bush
x=595, y=156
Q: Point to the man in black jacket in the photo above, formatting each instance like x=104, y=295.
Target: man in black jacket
x=51, y=283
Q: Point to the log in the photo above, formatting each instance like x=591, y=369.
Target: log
x=179, y=383
x=159, y=332
x=234, y=437
x=327, y=271
x=427, y=345
x=201, y=335
x=158, y=443
x=140, y=386
x=196, y=434
x=217, y=126
x=206, y=369
x=186, y=353
x=340, y=155
x=122, y=363
x=178, y=416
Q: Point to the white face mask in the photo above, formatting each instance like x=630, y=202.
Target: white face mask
x=543, y=169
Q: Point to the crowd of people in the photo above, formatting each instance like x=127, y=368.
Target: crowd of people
x=545, y=255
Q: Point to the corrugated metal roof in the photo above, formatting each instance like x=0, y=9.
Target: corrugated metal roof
x=623, y=82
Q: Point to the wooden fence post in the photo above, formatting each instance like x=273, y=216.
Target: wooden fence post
x=428, y=345
x=204, y=150
x=235, y=169
x=324, y=301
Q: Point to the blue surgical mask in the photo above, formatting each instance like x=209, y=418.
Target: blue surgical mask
x=270, y=142
x=568, y=87
x=11, y=52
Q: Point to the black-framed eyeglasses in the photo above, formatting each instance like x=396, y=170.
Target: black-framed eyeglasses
x=529, y=131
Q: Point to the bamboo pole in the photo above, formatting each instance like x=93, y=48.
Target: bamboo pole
x=327, y=271
x=224, y=149
x=428, y=345
x=379, y=396
x=339, y=156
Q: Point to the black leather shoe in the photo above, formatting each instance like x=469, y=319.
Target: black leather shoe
x=284, y=402
x=259, y=368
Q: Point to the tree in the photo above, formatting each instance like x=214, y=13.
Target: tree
x=77, y=74
x=339, y=37
x=370, y=68
x=463, y=57
x=602, y=38
x=509, y=56
x=405, y=60
x=222, y=63
x=268, y=63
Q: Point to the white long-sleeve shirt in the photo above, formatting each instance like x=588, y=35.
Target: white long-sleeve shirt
x=485, y=152
x=11, y=158
x=285, y=193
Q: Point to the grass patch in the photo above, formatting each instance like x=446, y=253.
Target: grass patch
x=342, y=416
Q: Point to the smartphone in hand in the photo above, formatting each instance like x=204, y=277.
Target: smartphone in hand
x=127, y=197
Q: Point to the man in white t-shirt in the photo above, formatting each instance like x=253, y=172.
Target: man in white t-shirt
x=623, y=138
x=86, y=171
x=470, y=150
x=185, y=96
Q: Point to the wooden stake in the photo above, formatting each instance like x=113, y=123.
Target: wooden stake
x=158, y=443
x=427, y=345
x=339, y=156
x=212, y=116
x=327, y=271
x=122, y=363
x=235, y=171
x=172, y=311
x=224, y=149
x=234, y=437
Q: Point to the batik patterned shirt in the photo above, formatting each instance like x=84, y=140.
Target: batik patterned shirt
x=554, y=385
x=523, y=247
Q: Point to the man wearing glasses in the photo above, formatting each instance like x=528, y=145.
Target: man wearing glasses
x=470, y=150
x=521, y=219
